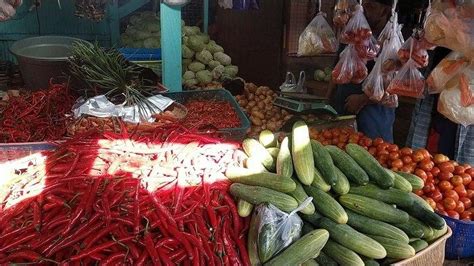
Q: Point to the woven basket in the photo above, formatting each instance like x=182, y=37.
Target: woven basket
x=431, y=256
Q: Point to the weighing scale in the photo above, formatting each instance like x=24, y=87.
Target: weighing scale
x=303, y=103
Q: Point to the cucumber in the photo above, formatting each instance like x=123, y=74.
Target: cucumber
x=244, y=208
x=252, y=241
x=302, y=154
x=374, y=227
x=274, y=152
x=390, y=196
x=235, y=171
x=300, y=195
x=373, y=208
x=267, y=139
x=415, y=181
x=437, y=234
x=348, y=166
x=307, y=227
x=418, y=245
x=303, y=249
x=254, y=149
x=324, y=163
x=352, y=239
x=370, y=262
x=412, y=227
x=310, y=262
x=324, y=259
x=341, y=254
x=422, y=202
x=428, y=217
x=400, y=182
x=268, y=180
x=373, y=168
x=284, y=163
x=257, y=195
x=255, y=165
x=266, y=242
x=312, y=219
x=395, y=249
x=327, y=205
x=342, y=185
x=319, y=181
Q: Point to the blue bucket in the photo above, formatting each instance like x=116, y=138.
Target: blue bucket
x=461, y=244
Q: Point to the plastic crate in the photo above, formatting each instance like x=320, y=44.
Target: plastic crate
x=14, y=151
x=141, y=54
x=461, y=244
x=219, y=94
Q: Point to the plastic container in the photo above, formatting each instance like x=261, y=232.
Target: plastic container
x=461, y=244
x=220, y=94
x=42, y=58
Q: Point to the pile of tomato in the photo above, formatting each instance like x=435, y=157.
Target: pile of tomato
x=449, y=186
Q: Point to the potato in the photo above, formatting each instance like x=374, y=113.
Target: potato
x=272, y=126
x=263, y=127
x=262, y=97
x=243, y=102
x=270, y=93
x=287, y=117
x=256, y=121
x=261, y=105
x=251, y=96
x=268, y=100
x=258, y=114
x=268, y=108
x=251, y=104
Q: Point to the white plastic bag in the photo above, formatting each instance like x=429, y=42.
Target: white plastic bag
x=317, y=38
x=391, y=61
x=445, y=74
x=276, y=229
x=390, y=30
x=449, y=104
x=342, y=12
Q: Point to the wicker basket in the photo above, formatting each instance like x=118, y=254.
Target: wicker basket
x=432, y=255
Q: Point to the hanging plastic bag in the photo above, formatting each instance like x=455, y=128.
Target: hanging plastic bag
x=276, y=229
x=369, y=50
x=374, y=85
x=467, y=89
x=342, y=12
x=408, y=81
x=350, y=68
x=317, y=38
x=357, y=30
x=389, y=100
x=445, y=74
x=391, y=61
x=390, y=30
x=418, y=53
x=449, y=104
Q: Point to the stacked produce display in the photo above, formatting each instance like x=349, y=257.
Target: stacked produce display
x=142, y=31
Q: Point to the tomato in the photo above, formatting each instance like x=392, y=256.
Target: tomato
x=327, y=134
x=406, y=151
x=467, y=202
x=382, y=152
x=459, y=170
x=393, y=155
x=392, y=148
x=439, y=206
x=377, y=141
x=336, y=132
x=470, y=171
x=431, y=202
x=436, y=195
x=426, y=153
x=471, y=209
x=459, y=207
x=353, y=140
x=335, y=141
x=372, y=151
x=466, y=179
x=435, y=171
x=449, y=204
x=440, y=158
x=421, y=174
x=461, y=190
x=445, y=185
x=405, y=169
x=426, y=164
x=453, y=214
x=397, y=163
x=367, y=142
x=446, y=167
x=407, y=159
x=471, y=185
x=326, y=142
x=442, y=213
x=466, y=215
x=451, y=194
x=383, y=157
x=470, y=193
x=383, y=146
x=417, y=156
x=456, y=180
x=445, y=175
x=419, y=192
x=428, y=188
x=454, y=163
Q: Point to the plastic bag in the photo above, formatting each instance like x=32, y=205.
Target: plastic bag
x=408, y=82
x=418, y=53
x=389, y=100
x=317, y=38
x=350, y=68
x=445, y=74
x=276, y=229
x=369, y=50
x=391, y=61
x=342, y=12
x=373, y=86
x=357, y=30
x=449, y=104
x=390, y=30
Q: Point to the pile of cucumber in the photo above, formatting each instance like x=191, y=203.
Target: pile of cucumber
x=369, y=212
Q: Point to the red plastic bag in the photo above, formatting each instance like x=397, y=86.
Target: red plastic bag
x=357, y=30
x=413, y=47
x=408, y=81
x=369, y=50
x=350, y=68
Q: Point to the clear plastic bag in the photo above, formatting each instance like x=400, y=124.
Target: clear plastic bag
x=391, y=61
x=449, y=104
x=276, y=229
x=373, y=85
x=369, y=50
x=342, y=12
x=317, y=38
x=408, y=81
x=445, y=74
x=466, y=85
x=350, y=68
x=357, y=30
x=418, y=53
x=390, y=30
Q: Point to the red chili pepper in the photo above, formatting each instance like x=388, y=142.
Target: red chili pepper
x=150, y=247
x=228, y=246
x=98, y=248
x=18, y=242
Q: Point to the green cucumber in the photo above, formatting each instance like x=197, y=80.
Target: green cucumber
x=437, y=234
x=324, y=163
x=310, y=262
x=412, y=227
x=267, y=139
x=342, y=185
x=390, y=196
x=327, y=205
x=418, y=245
x=302, y=154
x=256, y=150
x=341, y=254
x=415, y=181
x=348, y=166
x=307, y=227
x=312, y=219
x=319, y=181
x=428, y=217
x=395, y=249
x=244, y=208
x=324, y=259
x=258, y=195
x=400, y=182
x=284, y=163
x=300, y=195
x=252, y=241
x=274, y=152
x=268, y=180
x=255, y=165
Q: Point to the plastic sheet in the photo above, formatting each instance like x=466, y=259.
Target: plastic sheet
x=357, y=30
x=350, y=68
x=317, y=38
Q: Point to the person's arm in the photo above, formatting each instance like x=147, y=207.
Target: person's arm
x=355, y=102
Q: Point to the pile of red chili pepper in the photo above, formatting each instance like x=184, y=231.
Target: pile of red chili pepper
x=36, y=116
x=211, y=113
x=160, y=199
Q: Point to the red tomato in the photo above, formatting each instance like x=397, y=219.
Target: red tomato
x=335, y=141
x=343, y=138
x=436, y=195
x=431, y=202
x=327, y=134
x=383, y=146
x=439, y=206
x=456, y=180
x=428, y=188
x=426, y=164
x=459, y=207
x=470, y=193
x=406, y=151
x=326, y=142
x=392, y=148
x=471, y=185
x=449, y=204
x=470, y=171
x=418, y=156
x=454, y=163
x=397, y=163
x=453, y=214
x=393, y=155
x=405, y=169
x=466, y=179
x=383, y=157
x=382, y=152
x=451, y=194
x=461, y=190
x=459, y=170
x=440, y=158
x=446, y=167
x=442, y=212
x=419, y=192
x=426, y=153
x=372, y=151
x=341, y=145
x=421, y=174
x=435, y=171
x=377, y=141
x=467, y=202
x=407, y=159
x=445, y=185
x=471, y=209
x=445, y=176
x=466, y=215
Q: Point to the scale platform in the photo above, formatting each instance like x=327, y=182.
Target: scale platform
x=300, y=103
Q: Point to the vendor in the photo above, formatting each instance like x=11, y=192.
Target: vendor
x=374, y=120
